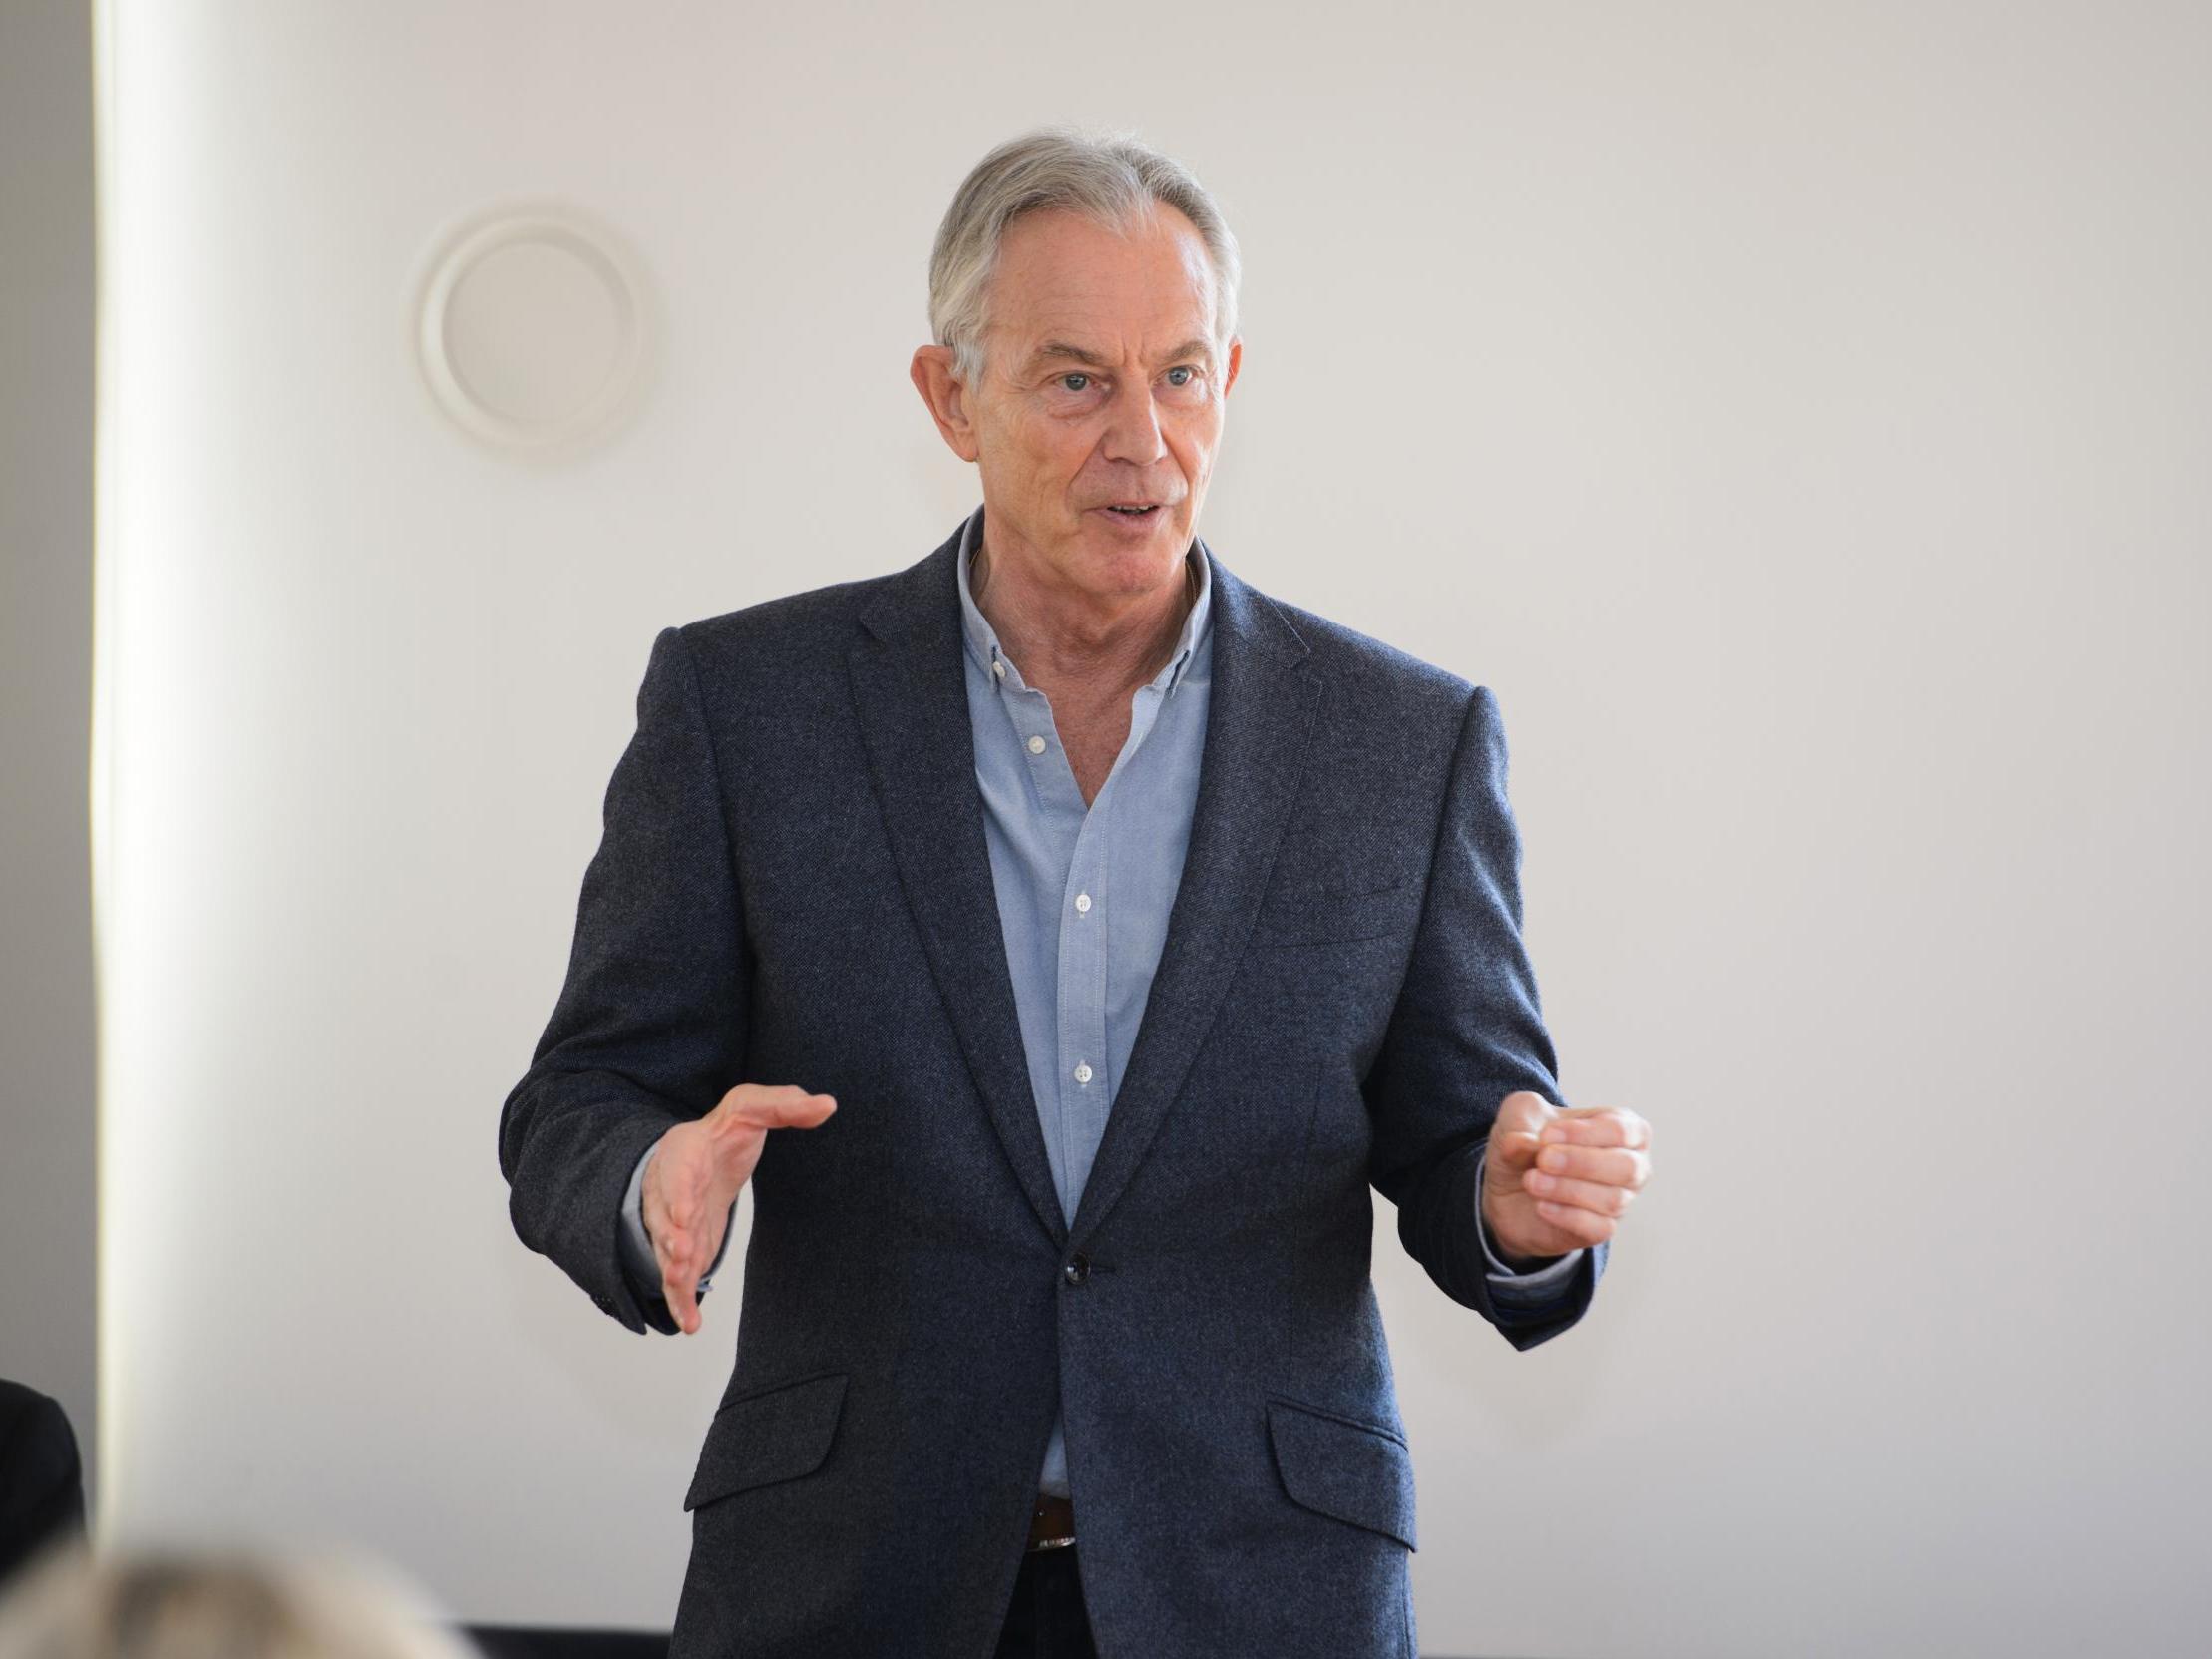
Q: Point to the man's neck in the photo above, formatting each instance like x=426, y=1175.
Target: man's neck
x=1082, y=654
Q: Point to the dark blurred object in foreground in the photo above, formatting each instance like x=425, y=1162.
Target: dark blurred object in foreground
x=42, y=1480
x=546, y=1641
x=219, y=1603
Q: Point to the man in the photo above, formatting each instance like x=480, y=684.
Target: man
x=1060, y=936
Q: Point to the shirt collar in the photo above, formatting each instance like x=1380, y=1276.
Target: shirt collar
x=983, y=638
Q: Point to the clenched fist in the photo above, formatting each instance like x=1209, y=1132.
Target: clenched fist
x=1554, y=1181
x=696, y=1171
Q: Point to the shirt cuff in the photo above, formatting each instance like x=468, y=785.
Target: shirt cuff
x=1553, y=1275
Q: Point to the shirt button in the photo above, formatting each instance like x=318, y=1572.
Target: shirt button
x=999, y=668
x=1082, y=901
x=1084, y=1073
x=1036, y=745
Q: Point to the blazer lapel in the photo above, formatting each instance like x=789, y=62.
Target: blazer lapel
x=911, y=692
x=1259, y=723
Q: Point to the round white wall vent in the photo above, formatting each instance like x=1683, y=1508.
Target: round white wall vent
x=533, y=329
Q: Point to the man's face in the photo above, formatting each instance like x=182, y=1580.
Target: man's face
x=1101, y=387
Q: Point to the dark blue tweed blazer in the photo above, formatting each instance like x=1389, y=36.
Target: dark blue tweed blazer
x=794, y=888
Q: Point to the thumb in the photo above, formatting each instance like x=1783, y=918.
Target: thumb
x=1520, y=1118
x=766, y=1106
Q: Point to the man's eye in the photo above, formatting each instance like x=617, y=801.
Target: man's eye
x=1065, y=378
x=1183, y=368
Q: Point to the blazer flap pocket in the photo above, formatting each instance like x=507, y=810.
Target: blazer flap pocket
x=1308, y=914
x=1351, y=1472
x=774, y=1434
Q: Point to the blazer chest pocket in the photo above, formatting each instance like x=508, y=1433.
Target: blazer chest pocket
x=775, y=1434
x=1349, y=1471
x=1309, y=913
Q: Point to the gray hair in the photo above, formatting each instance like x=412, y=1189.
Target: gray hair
x=1109, y=177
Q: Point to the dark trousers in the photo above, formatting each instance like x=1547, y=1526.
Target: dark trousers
x=1046, y=1619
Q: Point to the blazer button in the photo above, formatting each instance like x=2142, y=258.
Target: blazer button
x=1078, y=1270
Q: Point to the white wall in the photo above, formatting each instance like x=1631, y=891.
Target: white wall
x=48, y=1229
x=1797, y=415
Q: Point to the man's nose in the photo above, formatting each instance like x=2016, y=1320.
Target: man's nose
x=1133, y=426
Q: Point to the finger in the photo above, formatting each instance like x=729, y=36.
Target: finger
x=1525, y=1109
x=1520, y=1116
x=1598, y=1127
x=1513, y=1151
x=667, y=1228
x=1593, y=1196
x=779, y=1108
x=1593, y=1127
x=678, y=1277
x=1585, y=1225
x=676, y=1289
x=678, y=1213
x=1611, y=1165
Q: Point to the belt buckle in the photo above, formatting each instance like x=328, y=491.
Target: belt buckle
x=1047, y=1519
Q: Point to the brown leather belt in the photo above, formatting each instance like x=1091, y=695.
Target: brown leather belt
x=1052, y=1523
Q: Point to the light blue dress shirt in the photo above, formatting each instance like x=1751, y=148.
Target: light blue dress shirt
x=1083, y=899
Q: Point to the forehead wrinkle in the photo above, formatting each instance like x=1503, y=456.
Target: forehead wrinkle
x=1069, y=305
x=1197, y=346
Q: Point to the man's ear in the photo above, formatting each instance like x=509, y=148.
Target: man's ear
x=1236, y=362
x=947, y=399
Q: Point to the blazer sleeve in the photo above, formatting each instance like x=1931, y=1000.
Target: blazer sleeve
x=650, y=1026
x=1467, y=1031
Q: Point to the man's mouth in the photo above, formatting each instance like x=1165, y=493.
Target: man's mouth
x=1133, y=510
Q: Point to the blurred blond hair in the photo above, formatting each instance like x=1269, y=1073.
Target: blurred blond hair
x=72, y=1602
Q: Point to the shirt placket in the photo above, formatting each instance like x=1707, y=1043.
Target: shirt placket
x=1060, y=806
x=1087, y=1082
x=1084, y=1086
